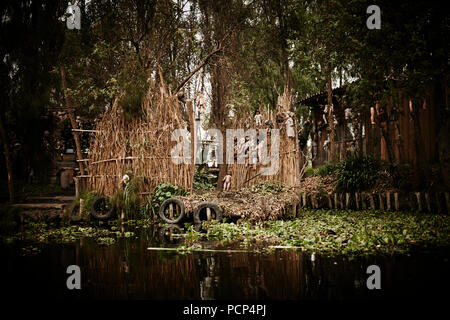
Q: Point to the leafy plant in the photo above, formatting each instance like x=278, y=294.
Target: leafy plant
x=267, y=187
x=88, y=196
x=203, y=180
x=357, y=173
x=321, y=171
x=165, y=191
x=128, y=201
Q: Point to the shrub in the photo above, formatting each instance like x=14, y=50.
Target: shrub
x=89, y=196
x=325, y=170
x=357, y=173
x=400, y=175
x=309, y=172
x=322, y=171
x=165, y=191
x=8, y=216
x=203, y=180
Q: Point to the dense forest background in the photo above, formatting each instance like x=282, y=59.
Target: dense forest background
x=249, y=51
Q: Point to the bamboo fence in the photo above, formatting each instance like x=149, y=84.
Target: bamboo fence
x=244, y=175
x=140, y=147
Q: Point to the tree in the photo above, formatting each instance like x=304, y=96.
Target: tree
x=31, y=38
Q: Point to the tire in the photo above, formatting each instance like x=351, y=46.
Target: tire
x=198, y=215
x=165, y=204
x=96, y=209
x=166, y=234
x=74, y=214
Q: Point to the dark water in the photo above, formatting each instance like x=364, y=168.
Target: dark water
x=127, y=270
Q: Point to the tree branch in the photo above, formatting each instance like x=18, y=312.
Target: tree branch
x=203, y=63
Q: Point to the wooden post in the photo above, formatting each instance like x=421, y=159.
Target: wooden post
x=357, y=200
x=347, y=200
x=77, y=186
x=171, y=211
x=330, y=203
x=396, y=201
x=304, y=199
x=190, y=110
x=372, y=202
x=208, y=214
x=438, y=203
x=363, y=201
x=335, y=201
x=388, y=201
x=419, y=203
x=81, y=206
x=427, y=200
x=447, y=200
x=380, y=196
x=70, y=109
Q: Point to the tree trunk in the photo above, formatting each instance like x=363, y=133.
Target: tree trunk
x=8, y=162
x=330, y=116
x=71, y=111
x=218, y=112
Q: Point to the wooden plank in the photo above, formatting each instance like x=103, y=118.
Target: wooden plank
x=51, y=198
x=195, y=249
x=42, y=206
x=86, y=130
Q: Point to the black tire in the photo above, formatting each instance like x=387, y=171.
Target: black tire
x=74, y=214
x=199, y=214
x=99, y=204
x=165, y=204
x=166, y=234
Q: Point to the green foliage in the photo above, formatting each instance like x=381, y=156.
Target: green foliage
x=267, y=187
x=357, y=173
x=400, y=175
x=192, y=236
x=134, y=87
x=321, y=171
x=335, y=232
x=7, y=220
x=203, y=180
x=24, y=189
x=128, y=201
x=88, y=196
x=165, y=191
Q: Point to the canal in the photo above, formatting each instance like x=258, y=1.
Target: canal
x=128, y=270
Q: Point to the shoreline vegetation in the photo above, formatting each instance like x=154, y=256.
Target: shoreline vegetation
x=325, y=232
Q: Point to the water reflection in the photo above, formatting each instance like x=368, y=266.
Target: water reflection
x=127, y=270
